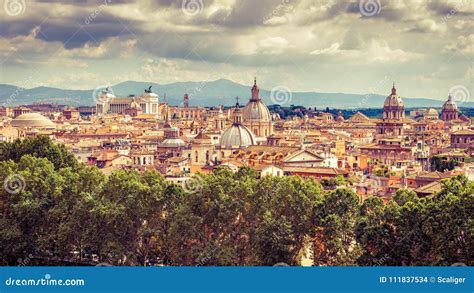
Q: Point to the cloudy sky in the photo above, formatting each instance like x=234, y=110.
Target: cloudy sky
x=355, y=46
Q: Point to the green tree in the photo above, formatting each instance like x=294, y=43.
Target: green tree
x=332, y=183
x=274, y=240
x=449, y=222
x=290, y=198
x=40, y=147
x=35, y=188
x=334, y=219
x=373, y=234
x=442, y=164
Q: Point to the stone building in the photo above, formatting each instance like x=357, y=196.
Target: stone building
x=107, y=103
x=462, y=139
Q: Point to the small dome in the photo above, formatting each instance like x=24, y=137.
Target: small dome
x=450, y=104
x=237, y=136
x=431, y=112
x=173, y=142
x=393, y=100
x=33, y=120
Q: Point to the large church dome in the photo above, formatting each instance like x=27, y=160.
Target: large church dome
x=255, y=108
x=237, y=135
x=33, y=120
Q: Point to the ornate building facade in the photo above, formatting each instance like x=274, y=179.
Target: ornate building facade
x=107, y=103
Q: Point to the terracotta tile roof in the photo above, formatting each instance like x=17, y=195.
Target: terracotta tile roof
x=202, y=135
x=315, y=170
x=464, y=132
x=434, y=175
x=177, y=159
x=429, y=189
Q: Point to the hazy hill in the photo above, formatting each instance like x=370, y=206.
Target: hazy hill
x=205, y=93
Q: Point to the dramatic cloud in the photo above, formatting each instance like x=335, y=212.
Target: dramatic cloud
x=325, y=45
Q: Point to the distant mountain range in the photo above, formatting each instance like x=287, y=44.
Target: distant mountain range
x=205, y=93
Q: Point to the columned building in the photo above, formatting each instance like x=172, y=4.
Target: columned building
x=186, y=113
x=256, y=115
x=107, y=103
x=142, y=157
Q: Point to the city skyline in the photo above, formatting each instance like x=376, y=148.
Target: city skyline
x=323, y=46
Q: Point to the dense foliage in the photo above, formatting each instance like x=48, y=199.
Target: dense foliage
x=442, y=164
x=62, y=212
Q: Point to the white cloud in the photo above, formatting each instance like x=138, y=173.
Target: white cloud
x=333, y=49
x=272, y=45
x=429, y=26
x=374, y=51
x=310, y=43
